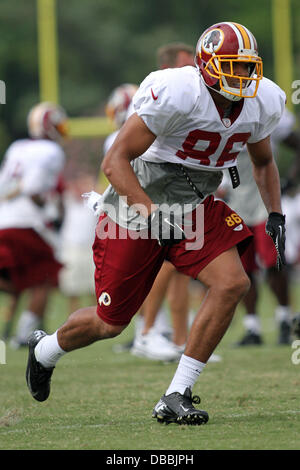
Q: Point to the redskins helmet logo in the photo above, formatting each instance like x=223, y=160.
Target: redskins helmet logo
x=212, y=41
x=104, y=299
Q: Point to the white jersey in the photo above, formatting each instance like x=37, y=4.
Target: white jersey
x=33, y=167
x=177, y=107
x=79, y=223
x=246, y=199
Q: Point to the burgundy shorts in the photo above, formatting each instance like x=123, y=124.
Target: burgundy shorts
x=261, y=251
x=26, y=259
x=127, y=265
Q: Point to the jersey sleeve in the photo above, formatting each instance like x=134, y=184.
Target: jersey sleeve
x=271, y=107
x=162, y=102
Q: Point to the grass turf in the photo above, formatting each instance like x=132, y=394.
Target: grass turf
x=103, y=400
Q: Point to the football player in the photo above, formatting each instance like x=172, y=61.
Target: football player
x=76, y=278
x=29, y=176
x=189, y=125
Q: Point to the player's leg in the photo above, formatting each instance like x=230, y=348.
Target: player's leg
x=178, y=298
x=212, y=256
x=278, y=282
x=33, y=316
x=7, y=286
x=81, y=329
x=156, y=296
x=225, y=288
x=125, y=271
x=252, y=335
x=150, y=342
x=10, y=314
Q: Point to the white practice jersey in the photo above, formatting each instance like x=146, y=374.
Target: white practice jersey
x=78, y=227
x=246, y=199
x=34, y=167
x=177, y=107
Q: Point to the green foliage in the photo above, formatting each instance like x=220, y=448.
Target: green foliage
x=103, y=43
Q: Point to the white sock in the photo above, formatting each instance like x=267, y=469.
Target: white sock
x=161, y=323
x=28, y=322
x=252, y=323
x=48, y=351
x=139, y=325
x=187, y=373
x=282, y=313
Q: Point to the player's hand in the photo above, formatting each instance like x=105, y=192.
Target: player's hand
x=164, y=228
x=275, y=227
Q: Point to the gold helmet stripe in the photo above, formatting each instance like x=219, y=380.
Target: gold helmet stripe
x=244, y=34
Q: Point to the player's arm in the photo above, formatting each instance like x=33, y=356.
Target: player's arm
x=266, y=175
x=133, y=140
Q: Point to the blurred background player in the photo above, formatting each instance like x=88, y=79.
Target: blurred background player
x=29, y=177
x=77, y=234
x=116, y=110
x=261, y=253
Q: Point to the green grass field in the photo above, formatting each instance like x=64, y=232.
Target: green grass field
x=103, y=400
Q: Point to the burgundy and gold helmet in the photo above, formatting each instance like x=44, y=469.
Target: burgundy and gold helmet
x=118, y=103
x=229, y=43
x=47, y=121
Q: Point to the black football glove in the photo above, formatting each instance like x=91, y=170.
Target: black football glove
x=275, y=227
x=164, y=228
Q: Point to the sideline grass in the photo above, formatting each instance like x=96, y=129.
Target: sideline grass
x=102, y=400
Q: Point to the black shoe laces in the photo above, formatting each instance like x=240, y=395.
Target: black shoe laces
x=188, y=400
x=196, y=399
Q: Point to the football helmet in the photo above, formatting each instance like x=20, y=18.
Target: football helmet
x=118, y=103
x=47, y=121
x=229, y=43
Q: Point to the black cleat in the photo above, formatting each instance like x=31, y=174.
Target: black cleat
x=284, y=333
x=250, y=339
x=37, y=377
x=296, y=325
x=177, y=408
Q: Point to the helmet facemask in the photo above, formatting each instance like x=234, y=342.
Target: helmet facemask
x=218, y=52
x=214, y=68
